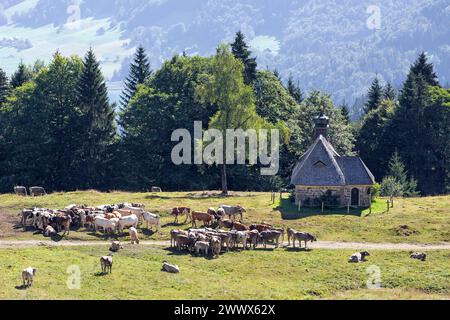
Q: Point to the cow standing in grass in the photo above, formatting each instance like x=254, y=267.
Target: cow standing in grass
x=106, y=263
x=233, y=211
x=20, y=191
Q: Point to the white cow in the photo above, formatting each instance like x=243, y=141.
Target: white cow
x=127, y=222
x=134, y=235
x=28, y=275
x=201, y=246
x=152, y=219
x=107, y=225
x=138, y=212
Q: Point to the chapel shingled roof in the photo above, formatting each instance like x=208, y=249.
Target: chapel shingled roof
x=321, y=165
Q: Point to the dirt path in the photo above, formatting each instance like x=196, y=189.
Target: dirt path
x=317, y=245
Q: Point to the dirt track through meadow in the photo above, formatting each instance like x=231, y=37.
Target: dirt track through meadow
x=331, y=245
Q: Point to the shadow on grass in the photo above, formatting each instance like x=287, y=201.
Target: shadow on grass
x=297, y=249
x=148, y=232
x=175, y=252
x=101, y=274
x=104, y=236
x=289, y=211
x=21, y=287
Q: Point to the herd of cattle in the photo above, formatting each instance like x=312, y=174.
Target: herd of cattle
x=220, y=231
x=228, y=233
x=105, y=218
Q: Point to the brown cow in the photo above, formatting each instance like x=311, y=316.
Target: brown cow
x=253, y=238
x=181, y=211
x=174, y=236
x=201, y=216
x=185, y=242
x=261, y=227
x=239, y=226
x=226, y=223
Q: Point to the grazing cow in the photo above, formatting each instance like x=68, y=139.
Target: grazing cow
x=28, y=276
x=216, y=246
x=253, y=237
x=170, y=268
x=419, y=256
x=152, y=219
x=115, y=246
x=239, y=237
x=233, y=211
x=301, y=236
x=90, y=221
x=137, y=211
x=49, y=231
x=124, y=213
x=26, y=214
x=20, y=191
x=358, y=257
x=239, y=226
x=226, y=223
x=185, y=242
x=134, y=235
x=270, y=236
x=156, y=190
x=201, y=216
x=105, y=224
x=226, y=238
x=261, y=227
x=201, y=246
x=106, y=263
x=127, y=222
x=181, y=211
x=37, y=191
x=174, y=235
x=62, y=222
x=110, y=216
x=217, y=214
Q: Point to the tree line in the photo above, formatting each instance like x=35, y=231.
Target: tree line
x=58, y=128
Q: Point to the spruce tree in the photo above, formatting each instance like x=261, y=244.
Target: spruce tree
x=294, y=90
x=97, y=122
x=241, y=51
x=139, y=73
x=345, y=113
x=398, y=172
x=422, y=67
x=22, y=75
x=389, y=92
x=374, y=96
x=4, y=87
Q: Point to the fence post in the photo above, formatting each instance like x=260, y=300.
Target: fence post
x=388, y=205
x=322, y=206
x=299, y=205
x=348, y=207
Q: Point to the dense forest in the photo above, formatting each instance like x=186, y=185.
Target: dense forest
x=59, y=130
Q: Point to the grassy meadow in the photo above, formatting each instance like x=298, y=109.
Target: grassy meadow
x=412, y=220
x=259, y=274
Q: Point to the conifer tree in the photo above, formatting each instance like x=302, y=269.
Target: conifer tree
x=22, y=75
x=374, y=96
x=294, y=90
x=139, y=73
x=97, y=122
x=241, y=51
x=422, y=67
x=345, y=113
x=389, y=92
x=4, y=87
